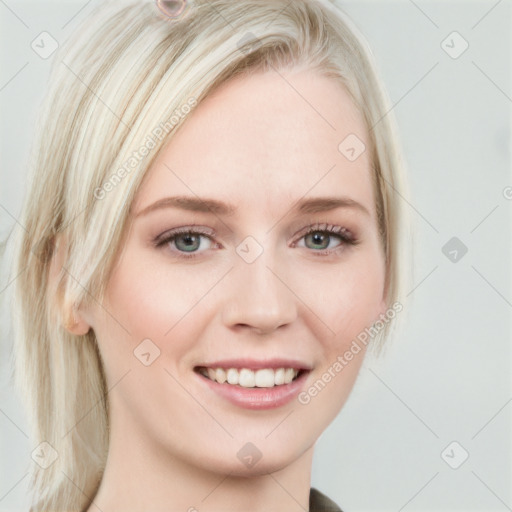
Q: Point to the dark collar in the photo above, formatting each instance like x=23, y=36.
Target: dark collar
x=319, y=502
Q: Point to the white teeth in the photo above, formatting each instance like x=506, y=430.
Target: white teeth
x=232, y=376
x=246, y=378
x=220, y=375
x=279, y=376
x=263, y=378
x=289, y=373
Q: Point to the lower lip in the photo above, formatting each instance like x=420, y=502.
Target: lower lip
x=257, y=398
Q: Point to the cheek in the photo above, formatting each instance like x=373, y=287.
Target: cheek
x=350, y=302
x=359, y=301
x=347, y=298
x=152, y=301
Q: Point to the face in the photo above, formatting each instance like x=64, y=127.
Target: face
x=270, y=259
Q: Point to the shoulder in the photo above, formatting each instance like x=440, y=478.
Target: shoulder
x=319, y=502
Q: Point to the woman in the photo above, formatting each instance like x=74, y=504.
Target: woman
x=212, y=242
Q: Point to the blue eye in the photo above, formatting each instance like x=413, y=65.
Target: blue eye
x=321, y=236
x=188, y=241
x=317, y=237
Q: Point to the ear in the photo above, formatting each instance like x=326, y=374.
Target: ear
x=75, y=323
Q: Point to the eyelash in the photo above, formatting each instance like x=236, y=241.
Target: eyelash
x=346, y=237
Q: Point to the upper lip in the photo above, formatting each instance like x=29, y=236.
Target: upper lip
x=255, y=364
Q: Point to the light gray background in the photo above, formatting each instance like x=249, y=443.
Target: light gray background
x=447, y=377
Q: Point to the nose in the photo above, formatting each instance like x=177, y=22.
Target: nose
x=260, y=299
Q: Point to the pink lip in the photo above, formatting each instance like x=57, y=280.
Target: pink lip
x=257, y=398
x=253, y=364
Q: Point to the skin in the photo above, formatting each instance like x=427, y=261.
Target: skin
x=259, y=143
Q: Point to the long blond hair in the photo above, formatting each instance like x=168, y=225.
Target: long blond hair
x=126, y=80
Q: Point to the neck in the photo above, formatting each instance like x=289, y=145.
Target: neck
x=140, y=477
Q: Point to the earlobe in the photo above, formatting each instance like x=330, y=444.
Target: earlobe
x=75, y=323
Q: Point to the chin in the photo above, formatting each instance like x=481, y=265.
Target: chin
x=249, y=461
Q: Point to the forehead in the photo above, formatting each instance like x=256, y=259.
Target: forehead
x=263, y=140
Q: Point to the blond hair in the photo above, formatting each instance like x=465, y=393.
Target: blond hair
x=126, y=80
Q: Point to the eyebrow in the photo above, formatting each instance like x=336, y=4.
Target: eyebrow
x=206, y=205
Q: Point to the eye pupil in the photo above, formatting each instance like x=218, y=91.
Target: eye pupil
x=318, y=237
x=191, y=242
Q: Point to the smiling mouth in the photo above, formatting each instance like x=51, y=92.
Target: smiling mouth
x=247, y=378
